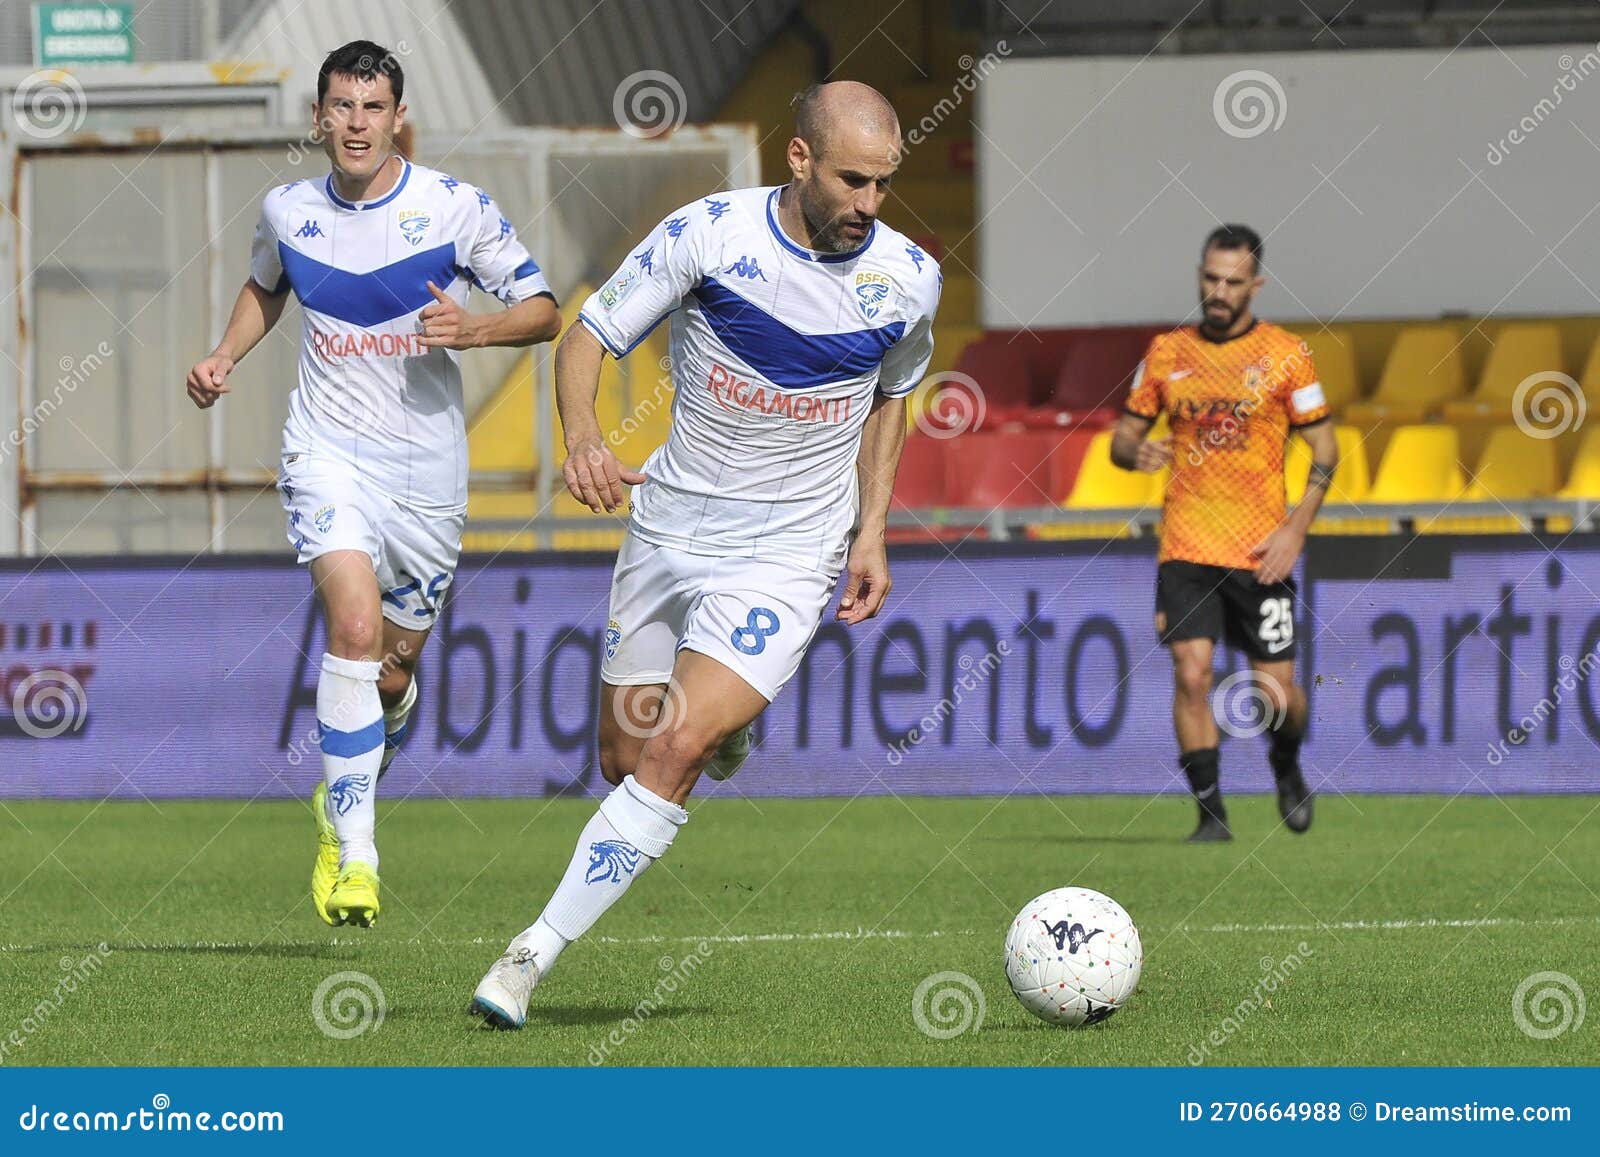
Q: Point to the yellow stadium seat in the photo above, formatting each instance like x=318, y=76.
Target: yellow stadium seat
x=1520, y=350
x=524, y=507
x=1421, y=464
x=1424, y=371
x=1351, y=480
x=1102, y=485
x=1333, y=351
x=647, y=414
x=1589, y=379
x=1514, y=467
x=1351, y=483
x=498, y=505
x=607, y=532
x=504, y=433
x=1583, y=481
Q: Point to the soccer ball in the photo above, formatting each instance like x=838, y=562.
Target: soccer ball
x=1073, y=956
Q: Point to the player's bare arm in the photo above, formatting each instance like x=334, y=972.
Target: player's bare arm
x=1133, y=449
x=593, y=475
x=255, y=312
x=1280, y=550
x=446, y=325
x=867, y=581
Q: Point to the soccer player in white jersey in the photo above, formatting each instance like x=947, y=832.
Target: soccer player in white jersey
x=381, y=255
x=800, y=323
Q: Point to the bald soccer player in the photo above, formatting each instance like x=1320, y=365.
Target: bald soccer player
x=800, y=323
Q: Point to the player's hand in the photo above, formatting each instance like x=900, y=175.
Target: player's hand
x=1153, y=455
x=445, y=325
x=1277, y=554
x=595, y=477
x=207, y=381
x=866, y=581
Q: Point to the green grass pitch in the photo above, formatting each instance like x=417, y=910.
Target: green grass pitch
x=1411, y=920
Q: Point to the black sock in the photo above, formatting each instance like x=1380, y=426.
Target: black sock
x=1203, y=767
x=1284, y=750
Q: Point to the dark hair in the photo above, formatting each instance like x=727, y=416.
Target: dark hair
x=1235, y=237
x=363, y=60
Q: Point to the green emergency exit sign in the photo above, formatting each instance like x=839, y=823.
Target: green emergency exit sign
x=82, y=34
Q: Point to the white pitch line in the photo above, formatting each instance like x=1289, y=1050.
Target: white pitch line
x=1399, y=925
x=1395, y=925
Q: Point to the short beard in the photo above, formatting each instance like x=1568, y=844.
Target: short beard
x=825, y=236
x=1207, y=325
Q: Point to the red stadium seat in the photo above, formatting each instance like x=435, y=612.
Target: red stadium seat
x=921, y=478
x=1001, y=469
x=1099, y=366
x=1051, y=418
x=1066, y=458
x=1042, y=350
x=1001, y=371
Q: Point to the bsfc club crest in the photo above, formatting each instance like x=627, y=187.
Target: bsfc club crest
x=872, y=290
x=613, y=638
x=414, y=224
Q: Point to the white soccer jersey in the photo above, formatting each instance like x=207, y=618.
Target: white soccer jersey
x=777, y=352
x=370, y=393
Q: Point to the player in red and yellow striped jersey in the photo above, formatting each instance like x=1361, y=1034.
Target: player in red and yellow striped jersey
x=1234, y=389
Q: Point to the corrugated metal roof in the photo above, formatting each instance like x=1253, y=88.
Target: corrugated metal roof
x=446, y=88
x=561, y=62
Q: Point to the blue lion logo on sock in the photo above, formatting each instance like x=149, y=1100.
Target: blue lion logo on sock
x=346, y=791
x=610, y=860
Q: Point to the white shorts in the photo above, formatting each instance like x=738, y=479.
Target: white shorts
x=413, y=553
x=753, y=616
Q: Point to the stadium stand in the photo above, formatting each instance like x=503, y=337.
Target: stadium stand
x=1423, y=372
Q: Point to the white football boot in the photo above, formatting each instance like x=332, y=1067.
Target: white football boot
x=731, y=755
x=501, y=997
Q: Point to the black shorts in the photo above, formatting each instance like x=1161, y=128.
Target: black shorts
x=1194, y=601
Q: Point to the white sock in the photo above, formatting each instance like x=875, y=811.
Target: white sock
x=632, y=830
x=396, y=722
x=350, y=717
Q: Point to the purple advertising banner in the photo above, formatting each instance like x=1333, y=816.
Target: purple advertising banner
x=1433, y=665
